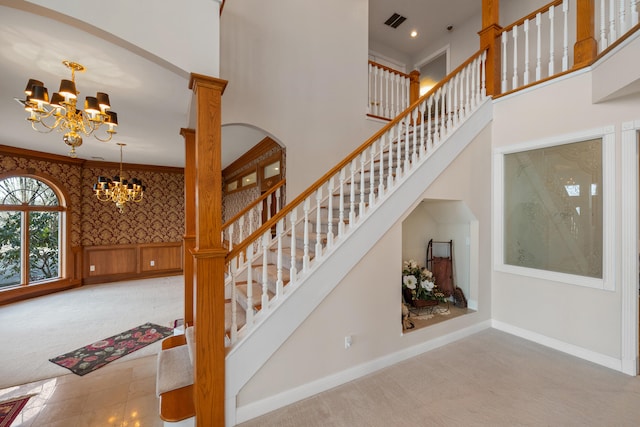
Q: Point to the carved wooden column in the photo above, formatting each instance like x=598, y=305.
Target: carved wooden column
x=209, y=255
x=586, y=48
x=414, y=86
x=490, y=40
x=189, y=240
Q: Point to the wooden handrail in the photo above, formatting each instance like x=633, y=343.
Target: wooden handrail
x=254, y=204
x=391, y=70
x=298, y=200
x=530, y=16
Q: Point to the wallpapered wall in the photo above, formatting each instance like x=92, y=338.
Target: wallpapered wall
x=66, y=175
x=158, y=218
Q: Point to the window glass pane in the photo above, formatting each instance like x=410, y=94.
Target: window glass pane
x=43, y=245
x=249, y=179
x=272, y=170
x=10, y=253
x=553, y=208
x=232, y=185
x=20, y=190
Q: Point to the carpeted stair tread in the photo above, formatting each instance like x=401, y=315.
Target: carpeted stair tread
x=174, y=369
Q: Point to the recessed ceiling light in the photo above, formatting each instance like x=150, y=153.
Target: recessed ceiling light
x=414, y=34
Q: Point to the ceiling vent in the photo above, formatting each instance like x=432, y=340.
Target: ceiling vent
x=395, y=20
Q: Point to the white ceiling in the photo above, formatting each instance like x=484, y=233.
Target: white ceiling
x=152, y=100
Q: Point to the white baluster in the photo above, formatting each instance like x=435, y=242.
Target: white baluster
x=414, y=119
x=293, y=271
x=539, y=46
x=372, y=174
x=407, y=143
x=278, y=199
x=234, y=298
x=369, y=110
x=398, y=151
x=474, y=85
x=387, y=106
x=603, y=25
x=268, y=200
x=381, y=166
x=423, y=148
x=266, y=239
x=330, y=213
x=622, y=18
x=448, y=106
x=306, y=257
x=279, y=282
x=525, y=76
x=634, y=13
x=341, y=204
x=259, y=209
x=514, y=79
x=363, y=160
x=241, y=229
x=429, y=143
x=436, y=116
x=318, y=249
x=230, y=236
x=551, y=42
x=565, y=39
x=483, y=75
x=456, y=111
x=377, y=98
x=504, y=62
x=467, y=78
x=250, y=305
x=352, y=195
x=390, y=159
x=612, y=22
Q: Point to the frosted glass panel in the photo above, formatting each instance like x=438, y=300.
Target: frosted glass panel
x=553, y=208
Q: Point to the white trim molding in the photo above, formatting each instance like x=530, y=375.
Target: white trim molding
x=608, y=280
x=629, y=246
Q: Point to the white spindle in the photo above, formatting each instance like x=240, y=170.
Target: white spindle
x=467, y=103
x=371, y=90
x=330, y=213
x=352, y=194
x=306, y=257
x=429, y=128
x=525, y=76
x=514, y=79
x=372, y=174
x=341, y=204
x=635, y=15
x=603, y=25
x=504, y=62
x=407, y=143
x=318, y=249
x=266, y=239
x=387, y=106
x=381, y=166
x=390, y=155
x=363, y=161
x=539, y=46
x=293, y=270
x=483, y=75
x=565, y=39
x=398, y=159
x=250, y=305
x=269, y=203
x=456, y=83
x=234, y=297
x=414, y=120
x=612, y=22
x=241, y=229
x=622, y=18
x=230, y=235
x=279, y=282
x=551, y=41
x=423, y=148
x=449, y=106
x=436, y=116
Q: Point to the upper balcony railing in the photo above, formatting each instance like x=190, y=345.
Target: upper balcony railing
x=390, y=91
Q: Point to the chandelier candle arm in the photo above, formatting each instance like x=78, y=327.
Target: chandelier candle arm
x=119, y=190
x=61, y=112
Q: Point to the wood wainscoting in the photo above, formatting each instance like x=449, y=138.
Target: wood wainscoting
x=135, y=261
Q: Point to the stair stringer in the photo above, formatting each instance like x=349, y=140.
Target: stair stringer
x=250, y=353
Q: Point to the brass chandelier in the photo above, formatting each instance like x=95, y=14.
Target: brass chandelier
x=119, y=190
x=61, y=112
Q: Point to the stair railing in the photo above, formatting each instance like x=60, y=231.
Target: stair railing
x=390, y=91
x=614, y=19
x=251, y=217
x=288, y=246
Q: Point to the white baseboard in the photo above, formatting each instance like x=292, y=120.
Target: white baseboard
x=189, y=422
x=261, y=407
x=573, y=350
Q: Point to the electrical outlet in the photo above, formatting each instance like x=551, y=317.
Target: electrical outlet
x=152, y=263
x=92, y=268
x=347, y=341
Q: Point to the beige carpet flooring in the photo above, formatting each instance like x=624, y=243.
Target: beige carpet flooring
x=488, y=379
x=33, y=331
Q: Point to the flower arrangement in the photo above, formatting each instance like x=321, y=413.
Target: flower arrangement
x=420, y=282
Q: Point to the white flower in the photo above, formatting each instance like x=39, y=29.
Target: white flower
x=410, y=281
x=428, y=285
x=427, y=273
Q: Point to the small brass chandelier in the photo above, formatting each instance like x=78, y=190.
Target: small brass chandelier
x=61, y=113
x=119, y=190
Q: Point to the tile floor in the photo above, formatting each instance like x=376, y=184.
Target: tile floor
x=120, y=394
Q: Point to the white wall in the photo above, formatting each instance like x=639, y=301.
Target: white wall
x=587, y=318
x=366, y=305
x=299, y=82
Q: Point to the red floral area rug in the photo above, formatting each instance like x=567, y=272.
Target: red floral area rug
x=93, y=356
x=10, y=409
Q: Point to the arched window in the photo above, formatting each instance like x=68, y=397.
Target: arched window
x=31, y=228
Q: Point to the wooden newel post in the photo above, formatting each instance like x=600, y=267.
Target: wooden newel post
x=209, y=255
x=490, y=40
x=189, y=240
x=414, y=86
x=586, y=48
